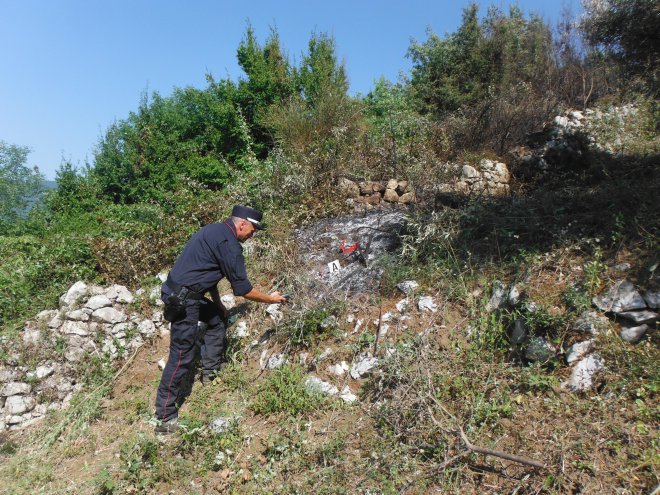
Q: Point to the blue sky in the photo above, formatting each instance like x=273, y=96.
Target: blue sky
x=72, y=67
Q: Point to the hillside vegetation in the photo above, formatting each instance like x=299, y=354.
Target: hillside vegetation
x=572, y=111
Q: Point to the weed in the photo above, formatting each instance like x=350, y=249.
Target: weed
x=594, y=271
x=140, y=461
x=284, y=391
x=312, y=325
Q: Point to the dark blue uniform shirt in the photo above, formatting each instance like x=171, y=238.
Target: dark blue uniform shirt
x=211, y=254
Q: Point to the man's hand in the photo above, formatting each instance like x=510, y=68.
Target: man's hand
x=277, y=297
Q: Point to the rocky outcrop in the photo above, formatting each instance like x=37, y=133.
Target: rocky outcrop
x=371, y=194
x=91, y=322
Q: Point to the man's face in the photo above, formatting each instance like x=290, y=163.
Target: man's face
x=244, y=230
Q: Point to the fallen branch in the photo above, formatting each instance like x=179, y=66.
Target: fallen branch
x=475, y=448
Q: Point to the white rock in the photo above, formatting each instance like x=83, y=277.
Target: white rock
x=74, y=354
x=75, y=292
x=120, y=294
x=31, y=336
x=426, y=303
x=652, y=299
x=120, y=329
x=622, y=296
x=222, y=425
x=56, y=322
x=228, y=301
x=382, y=332
x=154, y=297
x=241, y=330
x=347, y=395
x=70, y=327
x=276, y=361
x=44, y=371
x=357, y=326
x=161, y=363
x=147, y=328
x=98, y=302
x=15, y=388
x=157, y=316
x=108, y=315
x=584, y=373
x=591, y=322
x=578, y=350
x=46, y=315
x=78, y=315
x=402, y=305
x=338, y=369
x=514, y=296
x=639, y=317
x=363, y=365
x=19, y=404
x=407, y=286
x=274, y=312
x=315, y=384
x=350, y=318
x=324, y=355
x=497, y=299
x=7, y=375
x=634, y=334
x=162, y=276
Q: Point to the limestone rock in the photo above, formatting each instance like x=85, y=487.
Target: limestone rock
x=652, y=299
x=498, y=298
x=584, y=374
x=407, y=286
x=622, y=296
x=75, y=293
x=228, y=301
x=19, y=404
x=147, y=328
x=426, y=303
x=31, y=336
x=363, y=365
x=591, y=322
x=119, y=294
x=316, y=385
x=639, y=317
x=634, y=334
x=108, y=315
x=98, y=302
x=70, y=327
x=15, y=388
x=578, y=350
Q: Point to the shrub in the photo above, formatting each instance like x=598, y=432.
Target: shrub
x=284, y=391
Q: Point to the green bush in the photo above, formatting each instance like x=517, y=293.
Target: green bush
x=284, y=391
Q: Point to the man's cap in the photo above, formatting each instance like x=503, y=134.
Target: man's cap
x=250, y=214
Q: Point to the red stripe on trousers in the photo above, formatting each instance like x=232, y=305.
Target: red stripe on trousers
x=169, y=386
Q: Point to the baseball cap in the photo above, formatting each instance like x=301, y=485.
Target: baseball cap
x=250, y=214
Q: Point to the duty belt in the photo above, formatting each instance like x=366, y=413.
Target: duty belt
x=176, y=289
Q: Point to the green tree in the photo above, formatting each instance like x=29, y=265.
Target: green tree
x=627, y=31
x=320, y=73
x=19, y=185
x=193, y=138
x=448, y=73
x=269, y=82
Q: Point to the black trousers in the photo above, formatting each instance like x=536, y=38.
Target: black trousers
x=189, y=342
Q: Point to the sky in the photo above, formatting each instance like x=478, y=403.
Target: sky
x=70, y=68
